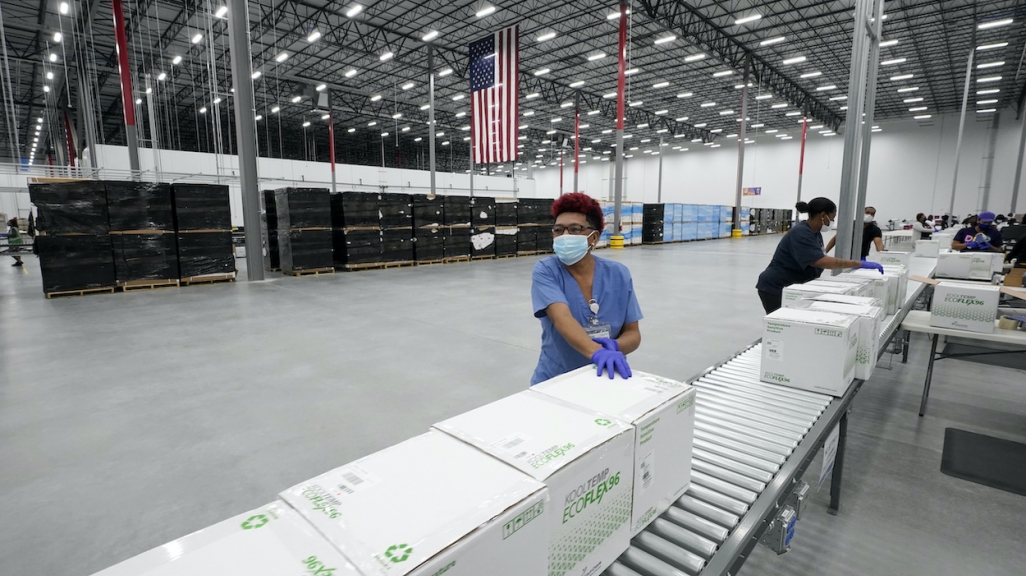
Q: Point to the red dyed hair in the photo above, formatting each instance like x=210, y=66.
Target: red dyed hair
x=583, y=204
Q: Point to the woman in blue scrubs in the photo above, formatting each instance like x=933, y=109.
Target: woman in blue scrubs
x=587, y=307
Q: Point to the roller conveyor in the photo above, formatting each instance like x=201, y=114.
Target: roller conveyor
x=753, y=440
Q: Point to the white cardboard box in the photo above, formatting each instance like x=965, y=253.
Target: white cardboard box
x=844, y=299
x=953, y=264
x=809, y=350
x=928, y=248
x=891, y=258
x=270, y=541
x=965, y=306
x=662, y=412
x=859, y=286
x=793, y=295
x=902, y=273
x=586, y=460
x=886, y=287
x=427, y=505
x=870, y=319
x=983, y=265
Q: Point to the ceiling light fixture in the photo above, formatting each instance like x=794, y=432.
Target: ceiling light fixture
x=430, y=36
x=795, y=60
x=255, y=75
x=772, y=41
x=893, y=61
x=281, y=57
x=694, y=57
x=722, y=73
x=196, y=39
x=747, y=19
x=533, y=95
x=577, y=84
x=632, y=71
x=901, y=77
x=912, y=100
x=542, y=72
x=296, y=99
x=994, y=24
x=827, y=87
x=888, y=43
x=321, y=87
x=909, y=89
x=350, y=73
x=989, y=91
x=992, y=46
x=354, y=10
x=407, y=86
x=811, y=75
x=664, y=39
x=988, y=79
x=314, y=36
x=596, y=56
x=660, y=84
x=445, y=73
x=594, y=112
x=276, y=109
x=486, y=11
x=779, y=106
x=923, y=117
x=546, y=36
x=917, y=109
x=386, y=56
x=985, y=102
x=763, y=96
x=988, y=110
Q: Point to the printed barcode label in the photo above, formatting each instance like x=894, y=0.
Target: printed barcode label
x=352, y=478
x=513, y=443
x=346, y=489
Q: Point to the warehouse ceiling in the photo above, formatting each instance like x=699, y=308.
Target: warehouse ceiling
x=686, y=61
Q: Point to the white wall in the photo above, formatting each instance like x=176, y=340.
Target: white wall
x=910, y=170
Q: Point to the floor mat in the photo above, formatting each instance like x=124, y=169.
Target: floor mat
x=986, y=460
x=1013, y=360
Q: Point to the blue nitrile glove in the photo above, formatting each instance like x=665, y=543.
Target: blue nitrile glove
x=608, y=344
x=972, y=245
x=983, y=245
x=611, y=361
x=872, y=266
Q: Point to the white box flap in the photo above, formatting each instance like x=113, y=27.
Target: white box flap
x=627, y=399
x=550, y=434
x=808, y=316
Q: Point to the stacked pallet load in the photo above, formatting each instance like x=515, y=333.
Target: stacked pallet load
x=73, y=245
x=726, y=221
x=745, y=216
x=607, y=217
x=396, y=220
x=652, y=224
x=142, y=234
x=626, y=225
x=685, y=225
x=637, y=220
x=534, y=216
x=428, y=232
x=506, y=230
x=708, y=219
x=304, y=230
x=269, y=231
x=482, y=235
x=786, y=219
x=355, y=230
x=203, y=231
x=456, y=215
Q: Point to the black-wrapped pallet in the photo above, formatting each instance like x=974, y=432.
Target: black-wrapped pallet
x=306, y=249
x=145, y=259
x=653, y=223
x=396, y=210
x=75, y=263
x=429, y=244
x=506, y=240
x=71, y=208
x=527, y=239
x=456, y=245
x=428, y=212
x=506, y=214
x=456, y=211
x=201, y=207
x=354, y=210
x=304, y=230
x=139, y=206
x=356, y=247
x=269, y=232
x=302, y=208
x=397, y=245
x=482, y=211
x=482, y=242
x=202, y=254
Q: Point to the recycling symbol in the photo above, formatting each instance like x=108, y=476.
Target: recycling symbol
x=602, y=422
x=254, y=522
x=398, y=553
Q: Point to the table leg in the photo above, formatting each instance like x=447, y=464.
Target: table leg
x=835, y=477
x=904, y=347
x=929, y=375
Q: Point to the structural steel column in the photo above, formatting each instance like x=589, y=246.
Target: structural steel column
x=577, y=138
x=659, y=185
x=431, y=115
x=1018, y=166
x=867, y=123
x=961, y=122
x=621, y=82
x=245, y=130
x=801, y=161
x=331, y=144
x=741, y=136
x=127, y=100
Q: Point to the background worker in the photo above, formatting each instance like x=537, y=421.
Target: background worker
x=800, y=256
x=14, y=239
x=921, y=229
x=587, y=306
x=872, y=235
x=981, y=235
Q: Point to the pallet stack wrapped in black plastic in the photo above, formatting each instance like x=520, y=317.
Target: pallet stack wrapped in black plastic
x=355, y=229
x=203, y=230
x=506, y=214
x=652, y=223
x=396, y=213
x=428, y=231
x=74, y=245
x=269, y=231
x=304, y=230
x=142, y=234
x=534, y=226
x=457, y=217
x=482, y=234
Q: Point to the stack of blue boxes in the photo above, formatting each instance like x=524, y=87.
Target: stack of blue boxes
x=669, y=215
x=688, y=222
x=726, y=221
x=746, y=225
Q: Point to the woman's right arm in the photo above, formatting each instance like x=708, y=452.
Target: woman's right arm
x=568, y=328
x=831, y=263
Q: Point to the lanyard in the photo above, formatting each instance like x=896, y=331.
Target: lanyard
x=594, y=307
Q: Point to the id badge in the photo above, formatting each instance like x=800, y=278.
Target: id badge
x=598, y=330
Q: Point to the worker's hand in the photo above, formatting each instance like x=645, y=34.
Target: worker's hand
x=983, y=245
x=972, y=245
x=610, y=361
x=872, y=266
x=608, y=344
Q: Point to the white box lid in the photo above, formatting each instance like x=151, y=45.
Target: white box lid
x=974, y=285
x=627, y=399
x=807, y=316
x=535, y=433
x=846, y=299
x=842, y=308
x=417, y=498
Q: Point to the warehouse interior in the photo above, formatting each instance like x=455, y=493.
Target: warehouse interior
x=154, y=409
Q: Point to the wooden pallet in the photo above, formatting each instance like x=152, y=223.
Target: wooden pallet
x=430, y=262
x=456, y=259
x=273, y=269
x=380, y=265
x=309, y=272
x=532, y=252
x=208, y=279
x=504, y=256
x=81, y=292
x=148, y=284
x=484, y=257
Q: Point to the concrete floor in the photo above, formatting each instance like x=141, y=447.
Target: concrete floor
x=128, y=420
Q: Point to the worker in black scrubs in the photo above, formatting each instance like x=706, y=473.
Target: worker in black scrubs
x=800, y=256
x=872, y=235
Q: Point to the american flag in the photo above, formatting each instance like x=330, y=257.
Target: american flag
x=494, y=106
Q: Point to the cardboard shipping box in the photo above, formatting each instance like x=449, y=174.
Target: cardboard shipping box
x=269, y=541
x=810, y=350
x=870, y=320
x=793, y=295
x=859, y=286
x=983, y=265
x=662, y=412
x=844, y=299
x=586, y=459
x=965, y=306
x=891, y=258
x=953, y=264
x=928, y=248
x=887, y=287
x=429, y=505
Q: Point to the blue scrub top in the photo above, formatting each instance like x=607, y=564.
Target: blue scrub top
x=551, y=282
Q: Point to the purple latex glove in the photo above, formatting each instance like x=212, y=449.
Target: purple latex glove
x=972, y=245
x=872, y=266
x=608, y=344
x=610, y=361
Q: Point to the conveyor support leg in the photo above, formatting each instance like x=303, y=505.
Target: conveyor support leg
x=838, y=472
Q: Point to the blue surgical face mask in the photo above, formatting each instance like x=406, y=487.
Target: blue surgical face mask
x=983, y=226
x=570, y=248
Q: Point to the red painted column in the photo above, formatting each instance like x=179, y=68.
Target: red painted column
x=125, y=74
